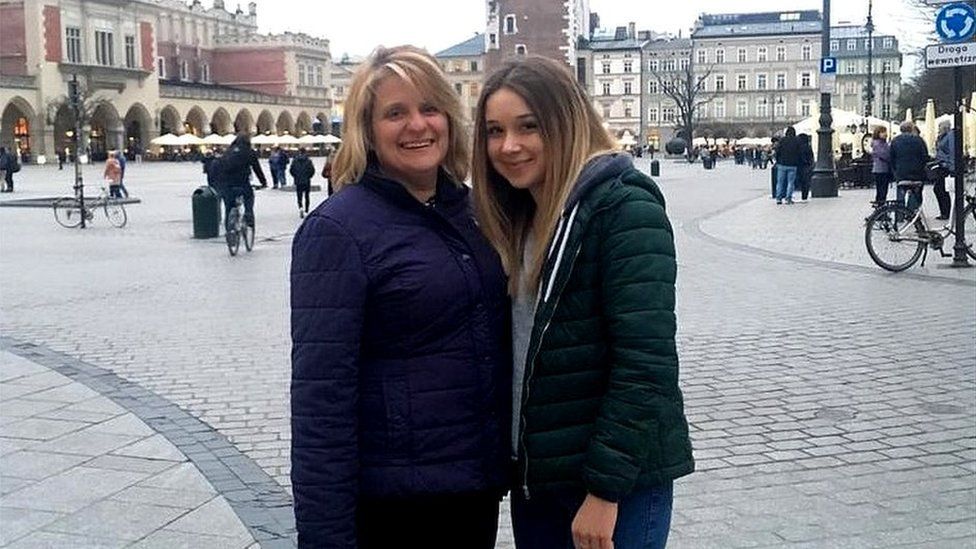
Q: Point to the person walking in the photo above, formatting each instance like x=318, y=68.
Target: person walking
x=804, y=171
x=909, y=154
x=945, y=153
x=327, y=175
x=113, y=174
x=400, y=334
x=9, y=165
x=61, y=159
x=788, y=155
x=302, y=172
x=598, y=430
x=278, y=164
x=880, y=165
x=120, y=156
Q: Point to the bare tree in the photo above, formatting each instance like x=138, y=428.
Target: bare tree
x=89, y=102
x=686, y=88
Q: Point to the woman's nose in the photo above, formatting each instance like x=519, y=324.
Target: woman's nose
x=510, y=143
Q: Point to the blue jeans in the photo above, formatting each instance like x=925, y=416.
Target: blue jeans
x=914, y=197
x=785, y=182
x=545, y=521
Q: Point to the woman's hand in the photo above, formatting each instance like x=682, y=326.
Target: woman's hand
x=594, y=524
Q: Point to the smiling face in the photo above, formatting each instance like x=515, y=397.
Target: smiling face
x=410, y=135
x=514, y=140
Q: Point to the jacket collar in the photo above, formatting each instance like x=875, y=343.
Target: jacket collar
x=448, y=193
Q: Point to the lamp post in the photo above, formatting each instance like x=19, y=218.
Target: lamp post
x=74, y=96
x=869, y=93
x=823, y=184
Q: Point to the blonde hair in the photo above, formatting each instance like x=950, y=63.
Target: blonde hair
x=572, y=133
x=418, y=69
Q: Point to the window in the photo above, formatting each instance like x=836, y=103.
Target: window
x=184, y=70
x=867, y=43
x=73, y=44
x=318, y=76
x=851, y=45
x=886, y=111
x=779, y=108
x=130, y=51
x=520, y=49
x=606, y=67
x=741, y=108
x=104, y=54
x=652, y=114
x=473, y=89
x=628, y=88
x=805, y=108
x=493, y=40
x=720, y=55
x=161, y=67
x=760, y=81
x=781, y=53
x=719, y=82
x=720, y=108
x=669, y=65
x=510, y=24
x=740, y=56
x=834, y=45
x=888, y=42
x=628, y=110
x=606, y=112
x=762, y=108
x=781, y=81
x=652, y=86
x=806, y=52
x=684, y=63
x=473, y=66
x=886, y=66
x=667, y=114
x=301, y=74
x=762, y=55
x=628, y=66
x=806, y=80
x=606, y=88
x=702, y=57
x=702, y=111
x=849, y=88
x=652, y=65
x=204, y=72
x=458, y=88
x=740, y=82
x=850, y=67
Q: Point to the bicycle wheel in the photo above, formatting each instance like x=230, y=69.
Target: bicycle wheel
x=67, y=212
x=233, y=233
x=115, y=212
x=247, y=232
x=892, y=241
x=970, y=219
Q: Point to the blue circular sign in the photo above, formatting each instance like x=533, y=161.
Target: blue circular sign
x=956, y=22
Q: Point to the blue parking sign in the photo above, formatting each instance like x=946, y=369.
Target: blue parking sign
x=828, y=65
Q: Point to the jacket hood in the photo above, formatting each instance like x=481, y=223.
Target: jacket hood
x=605, y=168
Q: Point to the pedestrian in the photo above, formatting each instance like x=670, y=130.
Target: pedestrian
x=909, y=154
x=278, y=164
x=61, y=159
x=598, y=431
x=113, y=174
x=120, y=156
x=880, y=165
x=9, y=165
x=302, y=172
x=327, y=175
x=400, y=336
x=945, y=154
x=787, y=161
x=804, y=170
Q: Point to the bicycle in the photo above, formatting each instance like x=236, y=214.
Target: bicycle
x=237, y=229
x=68, y=210
x=896, y=235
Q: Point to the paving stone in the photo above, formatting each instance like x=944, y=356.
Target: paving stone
x=214, y=516
x=32, y=465
x=41, y=429
x=183, y=475
x=71, y=490
x=86, y=442
x=19, y=522
x=169, y=539
x=180, y=498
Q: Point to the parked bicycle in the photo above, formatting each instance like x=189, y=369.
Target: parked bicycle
x=897, y=236
x=68, y=211
x=237, y=229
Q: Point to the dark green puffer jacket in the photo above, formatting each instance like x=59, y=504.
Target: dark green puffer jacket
x=601, y=407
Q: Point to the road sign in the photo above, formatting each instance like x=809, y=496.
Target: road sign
x=828, y=65
x=956, y=22
x=950, y=55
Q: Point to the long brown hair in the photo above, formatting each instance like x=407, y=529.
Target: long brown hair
x=572, y=133
x=417, y=68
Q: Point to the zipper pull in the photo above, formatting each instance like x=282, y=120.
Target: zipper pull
x=525, y=492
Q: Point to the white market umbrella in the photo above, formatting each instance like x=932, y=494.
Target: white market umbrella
x=312, y=139
x=214, y=139
x=287, y=140
x=264, y=140
x=189, y=139
x=331, y=139
x=166, y=140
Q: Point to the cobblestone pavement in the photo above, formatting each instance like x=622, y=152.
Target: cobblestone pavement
x=832, y=404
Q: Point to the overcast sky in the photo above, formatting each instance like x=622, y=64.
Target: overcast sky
x=357, y=26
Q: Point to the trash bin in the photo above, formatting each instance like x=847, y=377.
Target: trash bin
x=707, y=163
x=206, y=213
x=655, y=168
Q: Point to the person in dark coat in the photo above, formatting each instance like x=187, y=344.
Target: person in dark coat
x=909, y=154
x=302, y=171
x=278, y=163
x=8, y=165
x=788, y=158
x=945, y=153
x=233, y=172
x=598, y=432
x=804, y=171
x=400, y=330
x=327, y=175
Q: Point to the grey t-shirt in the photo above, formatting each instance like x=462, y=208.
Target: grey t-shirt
x=523, y=313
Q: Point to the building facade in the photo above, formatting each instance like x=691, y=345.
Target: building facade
x=464, y=65
x=158, y=66
x=616, y=69
x=550, y=28
x=849, y=44
x=764, y=69
x=665, y=60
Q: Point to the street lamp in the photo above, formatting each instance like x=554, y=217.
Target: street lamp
x=870, y=91
x=823, y=184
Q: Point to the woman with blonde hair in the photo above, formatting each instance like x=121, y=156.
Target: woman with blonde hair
x=113, y=174
x=400, y=356
x=598, y=429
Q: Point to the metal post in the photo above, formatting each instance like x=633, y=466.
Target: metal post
x=870, y=88
x=824, y=182
x=959, y=258
x=74, y=96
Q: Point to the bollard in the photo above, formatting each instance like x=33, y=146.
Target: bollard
x=655, y=168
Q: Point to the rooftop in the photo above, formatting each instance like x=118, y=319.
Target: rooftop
x=472, y=47
x=757, y=24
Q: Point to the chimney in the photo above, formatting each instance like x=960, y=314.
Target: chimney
x=631, y=30
x=252, y=9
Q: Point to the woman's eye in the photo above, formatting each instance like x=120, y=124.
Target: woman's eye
x=530, y=126
x=494, y=131
x=429, y=109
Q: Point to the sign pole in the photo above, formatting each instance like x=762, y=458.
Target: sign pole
x=959, y=258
